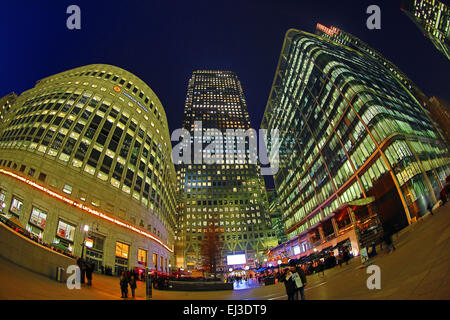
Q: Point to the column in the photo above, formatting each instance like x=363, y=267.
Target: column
x=335, y=226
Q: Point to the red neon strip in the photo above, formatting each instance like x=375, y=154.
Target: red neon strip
x=85, y=208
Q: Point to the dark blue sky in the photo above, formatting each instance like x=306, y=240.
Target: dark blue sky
x=162, y=42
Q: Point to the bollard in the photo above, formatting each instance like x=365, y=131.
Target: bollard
x=59, y=274
x=148, y=284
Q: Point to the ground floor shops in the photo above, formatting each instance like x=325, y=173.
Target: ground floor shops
x=352, y=227
x=103, y=240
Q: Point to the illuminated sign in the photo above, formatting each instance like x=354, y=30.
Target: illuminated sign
x=236, y=259
x=296, y=250
x=134, y=100
x=85, y=208
x=89, y=243
x=329, y=31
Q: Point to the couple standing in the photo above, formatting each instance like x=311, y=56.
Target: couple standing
x=295, y=281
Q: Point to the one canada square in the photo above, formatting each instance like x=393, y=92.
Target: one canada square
x=226, y=196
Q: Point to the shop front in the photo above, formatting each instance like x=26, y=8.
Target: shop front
x=122, y=257
x=94, y=250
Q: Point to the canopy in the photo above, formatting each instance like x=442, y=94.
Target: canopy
x=361, y=202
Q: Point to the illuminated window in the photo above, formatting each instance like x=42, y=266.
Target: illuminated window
x=122, y=250
x=67, y=189
x=142, y=257
x=65, y=230
x=38, y=218
x=16, y=206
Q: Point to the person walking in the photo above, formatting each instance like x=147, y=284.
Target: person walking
x=89, y=271
x=133, y=285
x=388, y=240
x=289, y=283
x=346, y=255
x=82, y=265
x=124, y=285
x=300, y=282
x=321, y=267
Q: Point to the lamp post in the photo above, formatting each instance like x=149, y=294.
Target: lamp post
x=85, y=229
x=279, y=266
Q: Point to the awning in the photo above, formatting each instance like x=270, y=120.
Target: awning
x=361, y=202
x=355, y=203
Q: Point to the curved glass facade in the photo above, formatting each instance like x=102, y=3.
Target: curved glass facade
x=348, y=127
x=107, y=125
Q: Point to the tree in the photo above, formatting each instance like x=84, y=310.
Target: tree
x=211, y=246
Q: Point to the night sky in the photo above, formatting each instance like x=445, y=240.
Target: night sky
x=162, y=42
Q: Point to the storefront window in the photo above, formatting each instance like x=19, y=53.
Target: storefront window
x=65, y=230
x=2, y=200
x=122, y=250
x=16, y=206
x=142, y=257
x=38, y=218
x=155, y=261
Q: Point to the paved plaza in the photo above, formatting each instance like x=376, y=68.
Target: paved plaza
x=417, y=269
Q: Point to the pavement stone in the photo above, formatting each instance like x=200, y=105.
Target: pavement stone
x=417, y=270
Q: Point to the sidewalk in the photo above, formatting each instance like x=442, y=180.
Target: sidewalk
x=417, y=269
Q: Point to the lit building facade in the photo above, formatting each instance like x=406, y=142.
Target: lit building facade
x=349, y=131
x=91, y=147
x=432, y=17
x=6, y=104
x=339, y=36
x=276, y=218
x=228, y=196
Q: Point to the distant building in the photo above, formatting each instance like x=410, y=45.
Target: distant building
x=432, y=17
x=224, y=199
x=276, y=217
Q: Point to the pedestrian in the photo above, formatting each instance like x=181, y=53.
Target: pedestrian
x=388, y=240
x=300, y=282
x=322, y=267
x=82, y=265
x=346, y=255
x=124, y=285
x=289, y=283
x=133, y=285
x=89, y=271
x=443, y=196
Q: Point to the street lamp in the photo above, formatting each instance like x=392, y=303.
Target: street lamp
x=85, y=229
x=279, y=266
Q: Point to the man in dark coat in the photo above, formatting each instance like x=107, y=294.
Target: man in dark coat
x=82, y=265
x=89, y=271
x=300, y=289
x=289, y=283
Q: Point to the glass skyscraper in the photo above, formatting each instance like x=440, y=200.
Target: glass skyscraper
x=432, y=17
x=228, y=196
x=349, y=131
